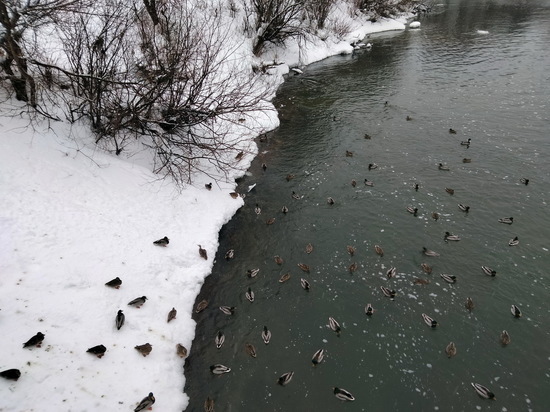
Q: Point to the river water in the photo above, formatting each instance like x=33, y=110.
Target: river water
x=478, y=67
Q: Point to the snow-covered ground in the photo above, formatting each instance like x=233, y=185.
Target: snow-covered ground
x=71, y=219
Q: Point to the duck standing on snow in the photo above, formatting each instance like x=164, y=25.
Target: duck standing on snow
x=146, y=402
x=208, y=186
x=162, y=242
x=202, y=253
x=36, y=340
x=98, y=350
x=115, y=283
x=119, y=320
x=11, y=374
x=144, y=349
x=172, y=315
x=138, y=302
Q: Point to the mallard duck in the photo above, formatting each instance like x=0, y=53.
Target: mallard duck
x=450, y=191
x=515, y=311
x=172, y=315
x=466, y=160
x=202, y=305
x=252, y=273
x=409, y=118
x=305, y=284
x=379, y=251
x=330, y=200
x=266, y=335
x=426, y=268
x=138, y=302
x=369, y=310
x=285, y=378
x=449, y=237
x=419, y=281
x=373, y=166
x=278, y=260
x=390, y=293
x=369, y=182
x=488, y=271
x=181, y=350
x=349, y=154
x=429, y=252
x=202, y=253
x=469, y=304
x=296, y=196
x=466, y=142
x=119, y=320
x=483, y=391
x=162, y=242
x=435, y=215
x=230, y=254
x=505, y=338
x=304, y=267
x=413, y=210
x=514, y=242
x=284, y=278
x=429, y=321
x=334, y=325
x=11, y=374
x=250, y=349
x=351, y=250
x=270, y=221
x=228, y=310
x=234, y=195
x=284, y=210
x=506, y=220
x=145, y=403
x=208, y=186
x=219, y=369
x=249, y=295
x=441, y=166
x=36, y=340
x=353, y=182
x=219, y=339
x=318, y=357
x=390, y=273
x=115, y=283
x=464, y=208
x=309, y=248
x=452, y=131
x=448, y=278
x=353, y=267
x=258, y=209
x=342, y=394
x=209, y=405
x=524, y=181
x=239, y=156
x=144, y=349
x=98, y=350
x=450, y=350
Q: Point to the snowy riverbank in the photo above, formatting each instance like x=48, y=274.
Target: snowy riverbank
x=71, y=219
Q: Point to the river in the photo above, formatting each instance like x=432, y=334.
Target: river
x=477, y=67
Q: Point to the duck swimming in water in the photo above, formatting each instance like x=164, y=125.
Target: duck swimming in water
x=330, y=200
x=506, y=220
x=285, y=378
x=351, y=250
x=249, y=295
x=309, y=248
x=435, y=215
x=450, y=191
x=466, y=143
x=390, y=273
x=219, y=369
x=250, y=349
x=373, y=166
x=412, y=210
x=228, y=310
x=505, y=338
x=514, y=242
x=450, y=350
x=426, y=268
x=305, y=284
x=483, y=391
x=464, y=208
x=219, y=339
x=342, y=394
x=369, y=182
x=284, y=278
x=369, y=310
x=429, y=252
x=488, y=271
x=353, y=267
x=334, y=325
x=469, y=304
x=515, y=311
x=202, y=305
x=304, y=267
x=318, y=357
x=278, y=260
x=524, y=181
x=379, y=251
x=441, y=166
x=230, y=254
x=449, y=237
x=252, y=273
x=448, y=278
x=429, y=321
x=266, y=335
x=258, y=209
x=452, y=131
x=390, y=293
x=284, y=210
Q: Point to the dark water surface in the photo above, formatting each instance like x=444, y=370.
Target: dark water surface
x=479, y=67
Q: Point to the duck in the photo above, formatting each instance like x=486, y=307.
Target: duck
x=429, y=321
x=11, y=374
x=181, y=350
x=258, y=209
x=342, y=394
x=466, y=160
x=429, y=252
x=514, y=242
x=208, y=186
x=162, y=242
x=202, y=253
x=435, y=215
x=390, y=293
x=264, y=167
x=138, y=302
x=252, y=273
x=469, y=304
x=304, y=267
x=234, y=195
x=349, y=154
x=239, y=156
x=296, y=196
x=448, y=278
x=284, y=278
x=266, y=335
x=115, y=283
x=373, y=166
x=144, y=349
x=369, y=310
x=515, y=311
x=367, y=136
x=450, y=350
x=219, y=369
x=353, y=182
x=334, y=325
x=483, y=391
x=172, y=315
x=145, y=403
x=452, y=131
x=284, y=209
x=289, y=177
x=379, y=251
x=426, y=268
x=250, y=349
x=449, y=237
x=464, y=208
x=309, y=248
x=228, y=310
x=416, y=187
x=98, y=350
x=285, y=378
x=351, y=250
x=278, y=260
x=488, y=271
x=230, y=254
x=505, y=338
x=369, y=183
x=249, y=295
x=506, y=220
x=202, y=305
x=390, y=273
x=412, y=210
x=330, y=200
x=305, y=284
x=450, y=191
x=409, y=118
x=219, y=339
x=353, y=267
x=466, y=142
x=209, y=405
x=524, y=181
x=119, y=320
x=318, y=357
x=441, y=166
